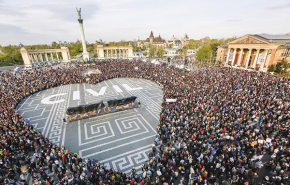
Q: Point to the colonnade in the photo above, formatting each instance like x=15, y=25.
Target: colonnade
x=119, y=53
x=249, y=57
x=115, y=51
x=44, y=55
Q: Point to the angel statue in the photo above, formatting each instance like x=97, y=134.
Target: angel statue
x=21, y=45
x=60, y=43
x=79, y=13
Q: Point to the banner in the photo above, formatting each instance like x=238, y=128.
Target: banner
x=111, y=103
x=260, y=58
x=231, y=56
x=171, y=100
x=83, y=108
x=24, y=168
x=70, y=110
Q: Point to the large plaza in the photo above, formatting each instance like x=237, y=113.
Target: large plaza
x=121, y=140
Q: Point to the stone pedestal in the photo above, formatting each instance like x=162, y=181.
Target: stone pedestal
x=25, y=57
x=86, y=55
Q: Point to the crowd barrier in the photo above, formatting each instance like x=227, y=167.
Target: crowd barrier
x=96, y=109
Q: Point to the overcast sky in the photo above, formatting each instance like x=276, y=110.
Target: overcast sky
x=41, y=22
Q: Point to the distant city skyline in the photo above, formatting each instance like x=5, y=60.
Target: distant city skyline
x=42, y=22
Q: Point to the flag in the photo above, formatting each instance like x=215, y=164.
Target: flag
x=24, y=168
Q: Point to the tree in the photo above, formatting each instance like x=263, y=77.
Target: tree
x=145, y=46
x=152, y=51
x=17, y=57
x=204, y=53
x=145, y=54
x=272, y=68
x=282, y=66
x=160, y=51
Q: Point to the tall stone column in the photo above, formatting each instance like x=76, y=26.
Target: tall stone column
x=30, y=58
x=248, y=58
x=57, y=57
x=40, y=54
x=240, y=56
x=35, y=58
x=256, y=58
x=234, y=56
x=86, y=55
x=46, y=57
x=228, y=55
x=51, y=56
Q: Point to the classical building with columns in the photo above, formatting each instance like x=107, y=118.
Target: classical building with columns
x=114, y=51
x=31, y=57
x=255, y=51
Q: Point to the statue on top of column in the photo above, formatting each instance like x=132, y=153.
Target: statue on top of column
x=21, y=45
x=79, y=13
x=60, y=43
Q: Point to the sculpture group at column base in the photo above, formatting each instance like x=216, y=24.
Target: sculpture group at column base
x=86, y=56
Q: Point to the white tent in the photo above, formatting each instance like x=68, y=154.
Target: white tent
x=17, y=69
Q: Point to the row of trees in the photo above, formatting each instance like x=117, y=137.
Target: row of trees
x=280, y=67
x=10, y=55
x=208, y=48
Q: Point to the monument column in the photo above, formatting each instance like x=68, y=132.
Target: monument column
x=86, y=55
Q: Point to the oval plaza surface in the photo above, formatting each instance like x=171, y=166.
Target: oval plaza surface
x=120, y=140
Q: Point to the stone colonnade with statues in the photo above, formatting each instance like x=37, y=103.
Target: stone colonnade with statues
x=114, y=51
x=31, y=57
x=249, y=57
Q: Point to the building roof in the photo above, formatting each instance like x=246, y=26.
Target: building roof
x=151, y=34
x=158, y=39
x=273, y=38
x=224, y=46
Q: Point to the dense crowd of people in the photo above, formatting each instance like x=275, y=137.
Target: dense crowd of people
x=227, y=126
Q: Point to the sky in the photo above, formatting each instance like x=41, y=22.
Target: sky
x=42, y=22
